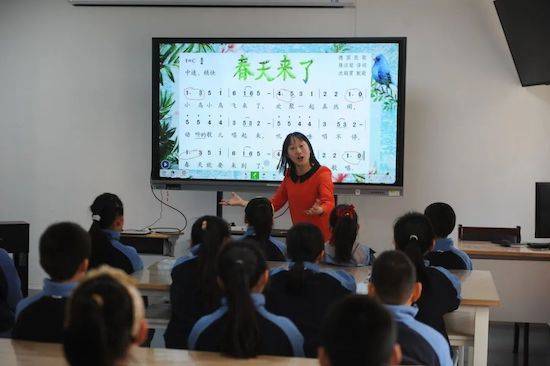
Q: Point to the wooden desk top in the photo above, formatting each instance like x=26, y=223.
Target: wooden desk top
x=151, y=235
x=478, y=287
x=24, y=353
x=488, y=250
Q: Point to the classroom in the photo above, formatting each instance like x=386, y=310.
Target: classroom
x=85, y=93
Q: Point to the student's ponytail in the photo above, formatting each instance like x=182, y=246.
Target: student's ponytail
x=414, y=235
x=240, y=266
x=99, y=322
x=304, y=244
x=214, y=231
x=259, y=214
x=344, y=227
x=105, y=209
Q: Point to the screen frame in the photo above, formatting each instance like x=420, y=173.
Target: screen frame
x=395, y=188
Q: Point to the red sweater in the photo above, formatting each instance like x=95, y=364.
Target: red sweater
x=302, y=195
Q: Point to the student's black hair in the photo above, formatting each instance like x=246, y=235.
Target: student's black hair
x=240, y=266
x=393, y=275
x=106, y=208
x=304, y=243
x=413, y=234
x=358, y=330
x=63, y=247
x=443, y=218
x=285, y=162
x=98, y=324
x=196, y=232
x=259, y=214
x=214, y=231
x=344, y=227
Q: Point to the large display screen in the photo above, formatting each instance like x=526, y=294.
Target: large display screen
x=223, y=107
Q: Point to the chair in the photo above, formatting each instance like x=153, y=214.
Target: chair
x=511, y=235
x=504, y=234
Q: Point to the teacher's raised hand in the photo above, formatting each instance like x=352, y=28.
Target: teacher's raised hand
x=235, y=200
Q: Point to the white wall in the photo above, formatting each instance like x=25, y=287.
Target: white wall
x=75, y=107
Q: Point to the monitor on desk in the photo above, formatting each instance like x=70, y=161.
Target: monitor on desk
x=542, y=210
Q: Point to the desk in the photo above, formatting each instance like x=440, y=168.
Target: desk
x=24, y=353
x=471, y=319
x=522, y=276
x=488, y=250
x=152, y=243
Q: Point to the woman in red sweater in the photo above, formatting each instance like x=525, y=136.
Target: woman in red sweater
x=307, y=186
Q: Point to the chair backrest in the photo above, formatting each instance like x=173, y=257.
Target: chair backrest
x=473, y=233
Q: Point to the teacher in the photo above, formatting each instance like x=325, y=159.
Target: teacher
x=307, y=186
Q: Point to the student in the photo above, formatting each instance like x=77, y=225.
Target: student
x=342, y=249
x=393, y=281
x=304, y=292
x=414, y=235
x=258, y=215
x=194, y=291
x=359, y=331
x=105, y=317
x=108, y=220
x=242, y=327
x=10, y=293
x=445, y=254
x=64, y=255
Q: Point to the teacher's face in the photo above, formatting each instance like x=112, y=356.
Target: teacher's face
x=298, y=152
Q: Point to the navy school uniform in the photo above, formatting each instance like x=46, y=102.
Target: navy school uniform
x=361, y=255
x=321, y=288
x=446, y=255
x=273, y=249
x=420, y=344
x=118, y=255
x=440, y=295
x=186, y=301
x=40, y=317
x=278, y=335
x=10, y=292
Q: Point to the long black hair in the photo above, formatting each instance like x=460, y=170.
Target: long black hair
x=106, y=208
x=259, y=214
x=304, y=244
x=240, y=266
x=100, y=324
x=285, y=162
x=214, y=232
x=344, y=227
x=413, y=234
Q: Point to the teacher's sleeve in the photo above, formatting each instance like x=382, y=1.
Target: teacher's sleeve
x=326, y=192
x=280, y=197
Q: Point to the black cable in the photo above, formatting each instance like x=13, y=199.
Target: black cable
x=172, y=207
x=282, y=213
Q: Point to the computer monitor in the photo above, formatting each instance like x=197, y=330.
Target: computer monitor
x=542, y=210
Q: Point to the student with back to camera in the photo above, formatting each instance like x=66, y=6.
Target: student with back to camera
x=108, y=221
x=445, y=254
x=259, y=218
x=242, y=327
x=105, y=319
x=342, y=249
x=305, y=291
x=64, y=250
x=393, y=282
x=194, y=291
x=413, y=234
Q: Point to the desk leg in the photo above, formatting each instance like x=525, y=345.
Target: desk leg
x=481, y=336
